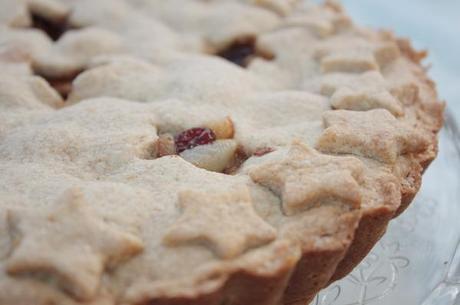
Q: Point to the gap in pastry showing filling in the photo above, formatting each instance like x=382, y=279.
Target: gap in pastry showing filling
x=242, y=51
x=214, y=152
x=53, y=28
x=211, y=147
x=62, y=84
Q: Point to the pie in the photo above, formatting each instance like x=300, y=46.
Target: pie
x=200, y=152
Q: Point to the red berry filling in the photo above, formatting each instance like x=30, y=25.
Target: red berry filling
x=53, y=29
x=242, y=51
x=263, y=151
x=193, y=137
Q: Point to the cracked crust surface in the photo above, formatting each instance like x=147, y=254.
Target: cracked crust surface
x=333, y=123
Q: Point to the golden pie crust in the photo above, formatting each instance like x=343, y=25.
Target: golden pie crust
x=321, y=130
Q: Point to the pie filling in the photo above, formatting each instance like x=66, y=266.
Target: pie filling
x=62, y=85
x=211, y=148
x=54, y=29
x=193, y=137
x=242, y=51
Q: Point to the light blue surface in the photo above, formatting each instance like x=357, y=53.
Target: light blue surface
x=431, y=24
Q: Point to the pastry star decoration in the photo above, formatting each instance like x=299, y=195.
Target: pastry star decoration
x=283, y=7
x=355, y=55
x=69, y=243
x=323, y=22
x=376, y=134
x=305, y=178
x=360, y=92
x=226, y=222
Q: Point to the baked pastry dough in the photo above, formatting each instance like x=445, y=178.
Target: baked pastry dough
x=207, y=152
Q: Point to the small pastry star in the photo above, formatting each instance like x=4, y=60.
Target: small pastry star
x=360, y=92
x=305, y=178
x=376, y=134
x=67, y=242
x=226, y=222
x=355, y=55
x=353, y=61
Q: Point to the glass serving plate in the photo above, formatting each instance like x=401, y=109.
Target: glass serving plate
x=415, y=263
